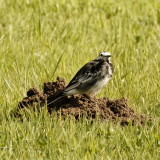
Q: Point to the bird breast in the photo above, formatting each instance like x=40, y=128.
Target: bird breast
x=98, y=86
x=101, y=82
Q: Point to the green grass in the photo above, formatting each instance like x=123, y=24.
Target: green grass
x=43, y=39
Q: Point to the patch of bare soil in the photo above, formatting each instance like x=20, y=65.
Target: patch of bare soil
x=78, y=105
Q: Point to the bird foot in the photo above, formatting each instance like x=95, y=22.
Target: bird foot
x=89, y=98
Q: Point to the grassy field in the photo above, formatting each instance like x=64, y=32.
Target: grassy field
x=43, y=39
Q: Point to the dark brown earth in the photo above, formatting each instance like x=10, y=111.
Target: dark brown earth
x=78, y=106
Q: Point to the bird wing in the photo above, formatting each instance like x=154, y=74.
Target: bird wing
x=88, y=73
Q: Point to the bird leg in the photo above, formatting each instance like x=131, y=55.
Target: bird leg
x=88, y=97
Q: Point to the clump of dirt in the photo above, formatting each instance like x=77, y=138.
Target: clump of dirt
x=78, y=105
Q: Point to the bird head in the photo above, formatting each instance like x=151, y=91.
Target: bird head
x=106, y=56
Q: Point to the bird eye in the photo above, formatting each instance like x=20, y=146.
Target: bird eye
x=105, y=54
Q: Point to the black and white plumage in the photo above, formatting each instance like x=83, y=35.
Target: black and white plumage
x=91, y=78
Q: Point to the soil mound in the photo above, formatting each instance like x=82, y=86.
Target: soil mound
x=78, y=105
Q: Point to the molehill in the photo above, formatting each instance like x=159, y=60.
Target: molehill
x=78, y=106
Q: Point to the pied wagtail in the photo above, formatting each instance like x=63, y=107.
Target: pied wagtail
x=90, y=79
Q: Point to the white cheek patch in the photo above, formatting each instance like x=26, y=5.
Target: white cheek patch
x=109, y=59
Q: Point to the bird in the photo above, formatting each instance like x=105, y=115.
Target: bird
x=90, y=79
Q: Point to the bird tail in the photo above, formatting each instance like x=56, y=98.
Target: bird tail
x=57, y=97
